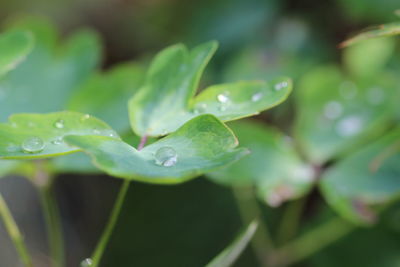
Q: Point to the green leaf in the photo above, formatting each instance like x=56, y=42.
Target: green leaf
x=379, y=52
x=105, y=95
x=46, y=79
x=383, y=30
x=230, y=254
x=201, y=145
x=337, y=115
x=166, y=102
x=41, y=135
x=273, y=166
x=14, y=47
x=368, y=177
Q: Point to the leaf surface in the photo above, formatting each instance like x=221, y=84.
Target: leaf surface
x=369, y=177
x=166, y=101
x=28, y=136
x=14, y=47
x=201, y=145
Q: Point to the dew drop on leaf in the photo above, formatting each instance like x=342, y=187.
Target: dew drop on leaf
x=33, y=145
x=333, y=110
x=12, y=148
x=349, y=126
x=96, y=131
x=280, y=86
x=86, y=263
x=222, y=98
x=257, y=96
x=200, y=108
x=166, y=156
x=85, y=117
x=59, y=124
x=57, y=141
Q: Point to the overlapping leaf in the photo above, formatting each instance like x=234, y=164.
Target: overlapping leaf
x=336, y=115
x=202, y=144
x=14, y=47
x=229, y=255
x=166, y=102
x=369, y=177
x=46, y=79
x=379, y=31
x=42, y=135
x=105, y=95
x=273, y=165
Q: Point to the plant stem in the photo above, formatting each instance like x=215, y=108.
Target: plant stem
x=44, y=182
x=53, y=223
x=290, y=220
x=249, y=209
x=313, y=241
x=105, y=237
x=15, y=234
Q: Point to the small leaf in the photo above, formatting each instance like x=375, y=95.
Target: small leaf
x=369, y=177
x=273, y=166
x=336, y=114
x=45, y=80
x=42, y=135
x=383, y=30
x=165, y=102
x=200, y=145
x=230, y=254
x=14, y=47
x=105, y=95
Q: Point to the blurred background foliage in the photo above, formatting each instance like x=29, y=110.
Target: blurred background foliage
x=186, y=225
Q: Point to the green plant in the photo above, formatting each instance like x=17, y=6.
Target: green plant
x=343, y=141
x=163, y=105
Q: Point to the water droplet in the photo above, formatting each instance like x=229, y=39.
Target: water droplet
x=222, y=108
x=85, y=117
x=12, y=148
x=349, y=126
x=57, y=141
x=348, y=90
x=96, y=131
x=375, y=96
x=166, y=156
x=33, y=145
x=14, y=125
x=280, y=86
x=200, y=108
x=223, y=98
x=333, y=110
x=86, y=262
x=257, y=96
x=59, y=124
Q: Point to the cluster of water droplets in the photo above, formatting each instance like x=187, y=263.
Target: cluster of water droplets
x=35, y=144
x=224, y=101
x=347, y=125
x=166, y=156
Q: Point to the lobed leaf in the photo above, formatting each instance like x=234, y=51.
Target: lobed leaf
x=367, y=178
x=14, y=47
x=28, y=136
x=230, y=254
x=199, y=146
x=45, y=80
x=273, y=166
x=337, y=115
x=105, y=95
x=166, y=102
